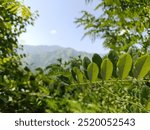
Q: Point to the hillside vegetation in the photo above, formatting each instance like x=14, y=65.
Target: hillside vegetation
x=48, y=55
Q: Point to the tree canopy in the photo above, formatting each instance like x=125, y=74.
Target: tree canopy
x=14, y=17
x=122, y=23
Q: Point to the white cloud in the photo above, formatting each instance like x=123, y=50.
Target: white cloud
x=53, y=31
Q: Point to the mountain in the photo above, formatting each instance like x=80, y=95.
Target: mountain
x=42, y=56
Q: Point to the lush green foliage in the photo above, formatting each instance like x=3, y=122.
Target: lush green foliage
x=122, y=23
x=76, y=89
x=117, y=82
x=14, y=17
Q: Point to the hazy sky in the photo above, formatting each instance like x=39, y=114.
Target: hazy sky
x=55, y=25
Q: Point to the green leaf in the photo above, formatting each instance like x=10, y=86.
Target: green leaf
x=98, y=6
x=113, y=57
x=79, y=74
x=106, y=69
x=148, y=106
x=124, y=66
x=86, y=62
x=89, y=26
x=92, y=71
x=14, y=9
x=74, y=106
x=108, y=2
x=73, y=75
x=98, y=60
x=142, y=67
x=64, y=79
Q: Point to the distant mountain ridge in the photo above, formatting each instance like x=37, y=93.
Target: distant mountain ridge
x=42, y=56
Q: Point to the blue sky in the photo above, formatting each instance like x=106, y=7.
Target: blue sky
x=55, y=25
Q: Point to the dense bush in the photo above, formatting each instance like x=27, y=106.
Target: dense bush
x=80, y=89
